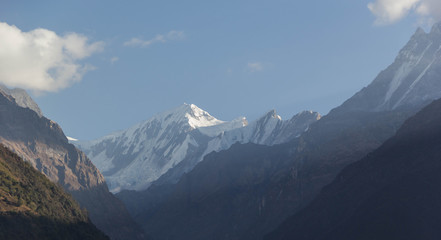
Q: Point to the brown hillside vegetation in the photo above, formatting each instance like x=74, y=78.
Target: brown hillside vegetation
x=32, y=207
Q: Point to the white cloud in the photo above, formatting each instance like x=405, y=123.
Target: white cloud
x=114, y=60
x=430, y=8
x=159, y=38
x=42, y=61
x=175, y=35
x=255, y=67
x=72, y=139
x=390, y=11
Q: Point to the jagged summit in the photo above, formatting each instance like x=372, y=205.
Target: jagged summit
x=411, y=81
x=133, y=158
x=419, y=31
x=436, y=28
x=22, y=98
x=272, y=114
x=189, y=114
x=199, y=118
x=176, y=140
x=305, y=115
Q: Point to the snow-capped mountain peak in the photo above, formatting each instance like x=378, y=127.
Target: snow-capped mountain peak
x=189, y=114
x=133, y=158
x=174, y=141
x=215, y=130
x=412, y=80
x=199, y=118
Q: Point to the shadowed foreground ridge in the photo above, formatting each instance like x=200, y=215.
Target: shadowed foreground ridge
x=31, y=207
x=392, y=193
x=42, y=143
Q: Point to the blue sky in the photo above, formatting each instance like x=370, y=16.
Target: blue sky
x=231, y=58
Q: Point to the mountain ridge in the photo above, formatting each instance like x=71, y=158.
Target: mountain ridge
x=32, y=207
x=289, y=175
x=176, y=140
x=42, y=143
x=389, y=194
x=405, y=82
x=22, y=98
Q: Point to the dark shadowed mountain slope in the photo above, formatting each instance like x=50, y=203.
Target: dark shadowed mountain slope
x=32, y=207
x=293, y=173
x=392, y=193
x=411, y=80
x=248, y=190
x=211, y=208
x=42, y=143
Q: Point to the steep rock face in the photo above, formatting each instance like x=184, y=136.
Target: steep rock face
x=392, y=193
x=301, y=167
x=411, y=80
x=32, y=207
x=170, y=144
x=22, y=98
x=42, y=143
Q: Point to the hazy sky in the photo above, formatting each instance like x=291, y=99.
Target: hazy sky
x=100, y=66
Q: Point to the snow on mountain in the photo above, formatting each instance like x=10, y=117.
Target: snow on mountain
x=174, y=141
x=412, y=80
x=71, y=139
x=267, y=130
x=215, y=130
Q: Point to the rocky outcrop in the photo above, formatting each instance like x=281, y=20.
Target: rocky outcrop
x=32, y=207
x=42, y=143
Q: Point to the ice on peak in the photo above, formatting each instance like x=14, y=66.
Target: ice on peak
x=218, y=129
x=189, y=107
x=199, y=118
x=188, y=114
x=72, y=139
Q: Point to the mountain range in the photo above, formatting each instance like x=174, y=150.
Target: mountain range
x=247, y=190
x=367, y=170
x=171, y=143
